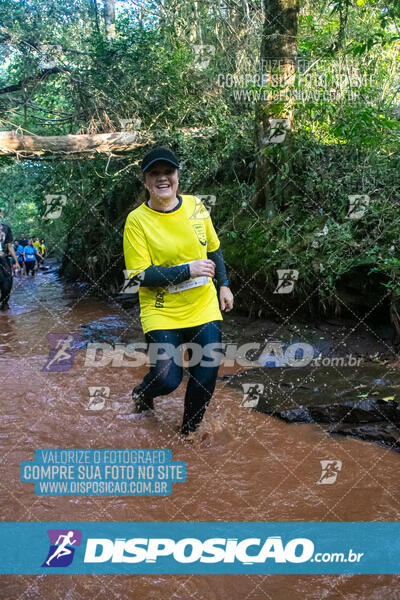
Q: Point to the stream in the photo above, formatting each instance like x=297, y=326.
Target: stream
x=244, y=465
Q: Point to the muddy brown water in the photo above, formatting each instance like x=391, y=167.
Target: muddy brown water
x=251, y=467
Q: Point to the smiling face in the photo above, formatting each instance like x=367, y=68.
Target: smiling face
x=161, y=180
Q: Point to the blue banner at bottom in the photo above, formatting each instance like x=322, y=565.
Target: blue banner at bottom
x=199, y=547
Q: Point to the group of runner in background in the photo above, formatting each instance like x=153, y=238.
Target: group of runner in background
x=30, y=255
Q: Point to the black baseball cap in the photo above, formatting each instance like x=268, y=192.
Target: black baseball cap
x=159, y=153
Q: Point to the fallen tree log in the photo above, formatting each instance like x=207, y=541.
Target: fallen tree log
x=13, y=143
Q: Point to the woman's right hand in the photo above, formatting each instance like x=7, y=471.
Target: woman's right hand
x=202, y=267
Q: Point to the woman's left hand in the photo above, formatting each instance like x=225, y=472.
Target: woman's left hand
x=225, y=298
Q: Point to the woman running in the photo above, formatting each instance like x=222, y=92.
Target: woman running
x=29, y=254
x=171, y=247
x=43, y=249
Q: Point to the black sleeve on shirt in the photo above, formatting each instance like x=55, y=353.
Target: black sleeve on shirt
x=155, y=276
x=220, y=270
x=163, y=276
x=8, y=235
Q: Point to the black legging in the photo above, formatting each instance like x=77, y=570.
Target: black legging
x=30, y=266
x=5, y=279
x=165, y=375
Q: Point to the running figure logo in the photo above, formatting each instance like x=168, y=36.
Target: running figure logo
x=357, y=206
x=203, y=54
x=287, y=277
x=131, y=284
x=251, y=394
x=330, y=470
x=97, y=397
x=53, y=207
x=203, y=206
x=62, y=348
x=62, y=542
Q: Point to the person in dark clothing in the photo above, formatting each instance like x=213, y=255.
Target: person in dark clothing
x=23, y=240
x=6, y=248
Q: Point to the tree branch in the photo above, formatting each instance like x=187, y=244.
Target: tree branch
x=13, y=143
x=16, y=87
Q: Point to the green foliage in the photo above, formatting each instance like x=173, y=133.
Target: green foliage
x=345, y=137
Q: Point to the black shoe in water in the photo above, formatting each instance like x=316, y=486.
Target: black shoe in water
x=141, y=403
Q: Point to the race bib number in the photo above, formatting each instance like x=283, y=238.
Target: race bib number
x=189, y=283
x=186, y=285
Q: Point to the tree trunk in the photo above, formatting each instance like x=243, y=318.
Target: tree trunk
x=96, y=16
x=109, y=18
x=274, y=111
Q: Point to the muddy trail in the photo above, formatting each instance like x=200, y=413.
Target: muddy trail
x=251, y=466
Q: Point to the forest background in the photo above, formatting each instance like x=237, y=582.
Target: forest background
x=285, y=115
